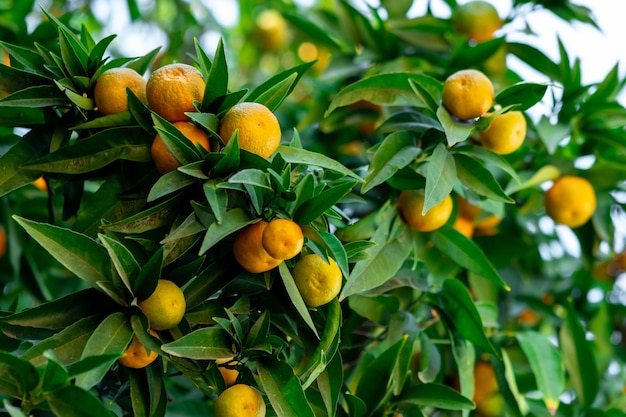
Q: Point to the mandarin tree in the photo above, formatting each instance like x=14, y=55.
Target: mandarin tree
x=405, y=227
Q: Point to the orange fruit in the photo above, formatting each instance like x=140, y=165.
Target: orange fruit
x=3, y=242
x=136, y=355
x=283, y=239
x=271, y=31
x=258, y=129
x=7, y=59
x=505, y=133
x=495, y=65
x=110, y=93
x=40, y=183
x=476, y=19
x=410, y=205
x=464, y=226
x=487, y=226
x=318, y=282
x=165, y=307
x=466, y=209
x=489, y=401
x=172, y=89
x=229, y=375
x=467, y=94
x=162, y=157
x=240, y=400
x=570, y=201
x=249, y=251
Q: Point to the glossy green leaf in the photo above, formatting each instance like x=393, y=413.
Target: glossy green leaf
x=304, y=157
x=479, y=179
x=13, y=79
x=295, y=297
x=314, y=207
x=456, y=132
x=12, y=410
x=395, y=152
x=430, y=101
x=438, y=396
x=97, y=151
x=274, y=96
x=73, y=401
x=386, y=90
x=522, y=95
x=381, y=263
x=489, y=158
x=202, y=344
x=18, y=377
x=440, y=177
x=283, y=388
x=217, y=198
x=152, y=218
x=111, y=337
x=80, y=254
x=67, y=345
x=466, y=253
x=461, y=310
x=578, y=358
x=546, y=364
x=294, y=73
x=38, y=96
x=233, y=220
x=11, y=176
x=217, y=78
x=123, y=259
x=170, y=183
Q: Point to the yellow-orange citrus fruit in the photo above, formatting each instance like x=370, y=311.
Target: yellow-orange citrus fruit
x=249, y=251
x=110, y=93
x=464, y=226
x=318, y=282
x=570, y=201
x=7, y=59
x=410, y=205
x=162, y=157
x=240, y=400
x=495, y=65
x=230, y=375
x=466, y=209
x=487, y=226
x=308, y=52
x=165, y=307
x=476, y=19
x=489, y=401
x=136, y=355
x=505, y=134
x=40, y=183
x=467, y=94
x=258, y=129
x=272, y=32
x=172, y=89
x=3, y=242
x=283, y=239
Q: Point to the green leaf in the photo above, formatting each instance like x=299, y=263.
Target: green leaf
x=304, y=157
x=546, y=364
x=295, y=297
x=578, y=358
x=17, y=376
x=149, y=275
x=12, y=410
x=440, y=177
x=150, y=219
x=315, y=206
x=536, y=59
x=436, y=396
x=431, y=102
x=37, y=96
x=217, y=198
x=535, y=178
x=251, y=176
x=111, y=337
x=395, y=152
x=263, y=88
x=80, y=254
x=202, y=344
x=479, y=179
x=283, y=388
x=456, y=132
x=54, y=375
x=217, y=78
x=386, y=90
x=466, y=253
x=72, y=401
x=275, y=95
x=11, y=176
x=97, y=151
x=461, y=310
x=13, y=79
x=382, y=261
x=123, y=259
x=521, y=96
x=74, y=54
x=487, y=157
x=68, y=344
x=181, y=148
x=233, y=220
